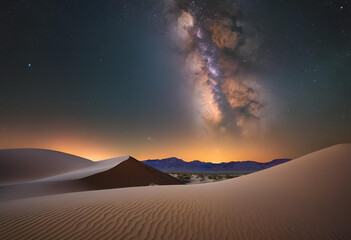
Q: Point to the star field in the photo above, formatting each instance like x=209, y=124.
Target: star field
x=257, y=79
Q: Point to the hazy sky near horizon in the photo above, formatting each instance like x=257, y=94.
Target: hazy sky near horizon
x=207, y=80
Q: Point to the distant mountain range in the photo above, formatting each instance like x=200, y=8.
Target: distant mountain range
x=178, y=165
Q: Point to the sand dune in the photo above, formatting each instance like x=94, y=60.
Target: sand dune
x=120, y=176
x=111, y=173
x=22, y=165
x=307, y=198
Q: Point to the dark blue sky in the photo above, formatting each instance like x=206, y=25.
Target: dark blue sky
x=113, y=75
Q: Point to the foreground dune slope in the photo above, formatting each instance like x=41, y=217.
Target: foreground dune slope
x=22, y=165
x=307, y=198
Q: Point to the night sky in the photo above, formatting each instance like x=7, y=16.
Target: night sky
x=208, y=80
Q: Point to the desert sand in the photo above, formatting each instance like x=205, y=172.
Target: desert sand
x=306, y=198
x=22, y=165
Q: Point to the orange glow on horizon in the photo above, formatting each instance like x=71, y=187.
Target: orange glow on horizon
x=95, y=148
x=95, y=152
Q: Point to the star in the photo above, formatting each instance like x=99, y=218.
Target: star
x=148, y=138
x=29, y=65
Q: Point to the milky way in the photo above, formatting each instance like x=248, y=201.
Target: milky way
x=215, y=49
